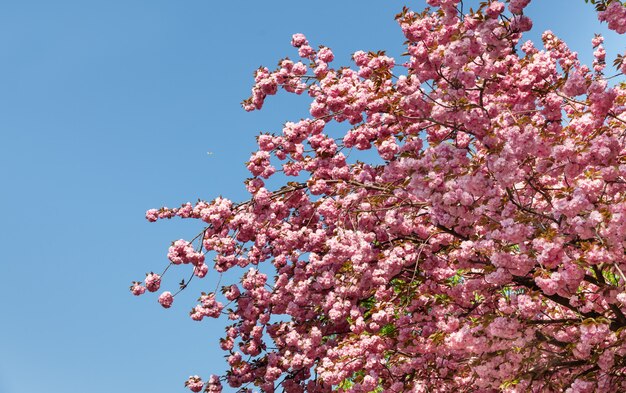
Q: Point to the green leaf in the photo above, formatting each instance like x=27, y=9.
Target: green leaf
x=387, y=330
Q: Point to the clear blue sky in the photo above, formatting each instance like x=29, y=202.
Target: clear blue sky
x=108, y=109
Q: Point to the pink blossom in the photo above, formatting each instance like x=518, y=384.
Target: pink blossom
x=166, y=299
x=495, y=8
x=517, y=6
x=297, y=40
x=137, y=289
x=214, y=385
x=153, y=282
x=615, y=16
x=181, y=251
x=201, y=270
x=152, y=215
x=325, y=55
x=194, y=383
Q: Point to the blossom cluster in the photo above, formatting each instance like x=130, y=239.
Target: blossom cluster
x=484, y=251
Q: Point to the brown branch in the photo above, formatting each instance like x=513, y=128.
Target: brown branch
x=563, y=301
x=531, y=211
x=451, y=232
x=552, y=321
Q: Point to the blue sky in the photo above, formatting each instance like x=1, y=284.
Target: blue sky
x=108, y=109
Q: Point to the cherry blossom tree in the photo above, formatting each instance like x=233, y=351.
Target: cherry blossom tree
x=482, y=252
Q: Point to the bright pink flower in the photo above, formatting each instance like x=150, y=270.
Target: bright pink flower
x=194, y=383
x=137, y=289
x=325, y=55
x=153, y=282
x=166, y=299
x=517, y=6
x=615, y=16
x=297, y=40
x=201, y=270
x=214, y=385
x=181, y=251
x=152, y=215
x=495, y=8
